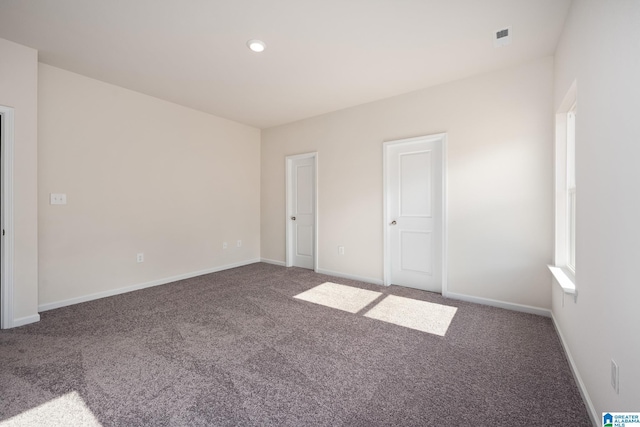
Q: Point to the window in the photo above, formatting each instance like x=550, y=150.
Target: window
x=571, y=190
x=564, y=270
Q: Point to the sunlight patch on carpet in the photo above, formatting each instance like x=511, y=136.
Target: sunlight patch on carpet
x=415, y=314
x=66, y=410
x=341, y=297
x=407, y=312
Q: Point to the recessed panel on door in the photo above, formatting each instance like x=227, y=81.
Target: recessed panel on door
x=304, y=240
x=415, y=184
x=304, y=186
x=415, y=251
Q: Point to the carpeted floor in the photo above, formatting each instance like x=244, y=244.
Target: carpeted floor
x=236, y=348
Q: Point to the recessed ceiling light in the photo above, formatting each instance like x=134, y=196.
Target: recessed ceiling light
x=256, y=45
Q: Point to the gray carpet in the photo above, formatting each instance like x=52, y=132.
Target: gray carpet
x=235, y=348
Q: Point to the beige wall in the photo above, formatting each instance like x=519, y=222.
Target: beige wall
x=19, y=90
x=141, y=175
x=500, y=138
x=600, y=49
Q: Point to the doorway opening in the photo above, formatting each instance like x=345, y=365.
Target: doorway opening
x=302, y=211
x=414, y=227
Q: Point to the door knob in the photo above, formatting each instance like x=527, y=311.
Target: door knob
x=393, y=222
x=293, y=218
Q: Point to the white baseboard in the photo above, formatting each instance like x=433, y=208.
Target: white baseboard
x=273, y=261
x=500, y=304
x=112, y=292
x=576, y=375
x=349, y=276
x=21, y=321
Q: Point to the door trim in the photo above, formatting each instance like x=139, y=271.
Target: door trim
x=440, y=138
x=6, y=282
x=289, y=209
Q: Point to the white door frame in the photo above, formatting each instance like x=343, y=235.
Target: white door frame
x=437, y=138
x=289, y=208
x=6, y=283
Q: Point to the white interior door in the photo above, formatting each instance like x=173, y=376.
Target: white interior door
x=6, y=229
x=414, y=200
x=302, y=208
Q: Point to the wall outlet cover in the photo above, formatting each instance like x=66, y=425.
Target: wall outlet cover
x=58, y=199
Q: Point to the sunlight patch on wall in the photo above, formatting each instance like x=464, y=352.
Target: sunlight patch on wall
x=66, y=410
x=407, y=312
x=415, y=314
x=341, y=297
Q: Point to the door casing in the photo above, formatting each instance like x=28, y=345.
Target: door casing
x=289, y=208
x=440, y=138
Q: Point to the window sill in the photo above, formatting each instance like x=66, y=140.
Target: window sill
x=566, y=282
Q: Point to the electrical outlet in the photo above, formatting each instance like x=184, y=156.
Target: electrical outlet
x=58, y=199
x=615, y=376
x=224, y=245
x=140, y=257
x=239, y=243
x=340, y=250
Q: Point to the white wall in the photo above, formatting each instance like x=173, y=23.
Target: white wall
x=19, y=90
x=141, y=175
x=500, y=139
x=600, y=49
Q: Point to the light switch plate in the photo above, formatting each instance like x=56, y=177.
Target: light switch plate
x=58, y=199
x=615, y=377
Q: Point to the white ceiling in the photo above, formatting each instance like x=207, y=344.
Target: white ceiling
x=322, y=55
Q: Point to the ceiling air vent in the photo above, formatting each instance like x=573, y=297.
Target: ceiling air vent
x=502, y=37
